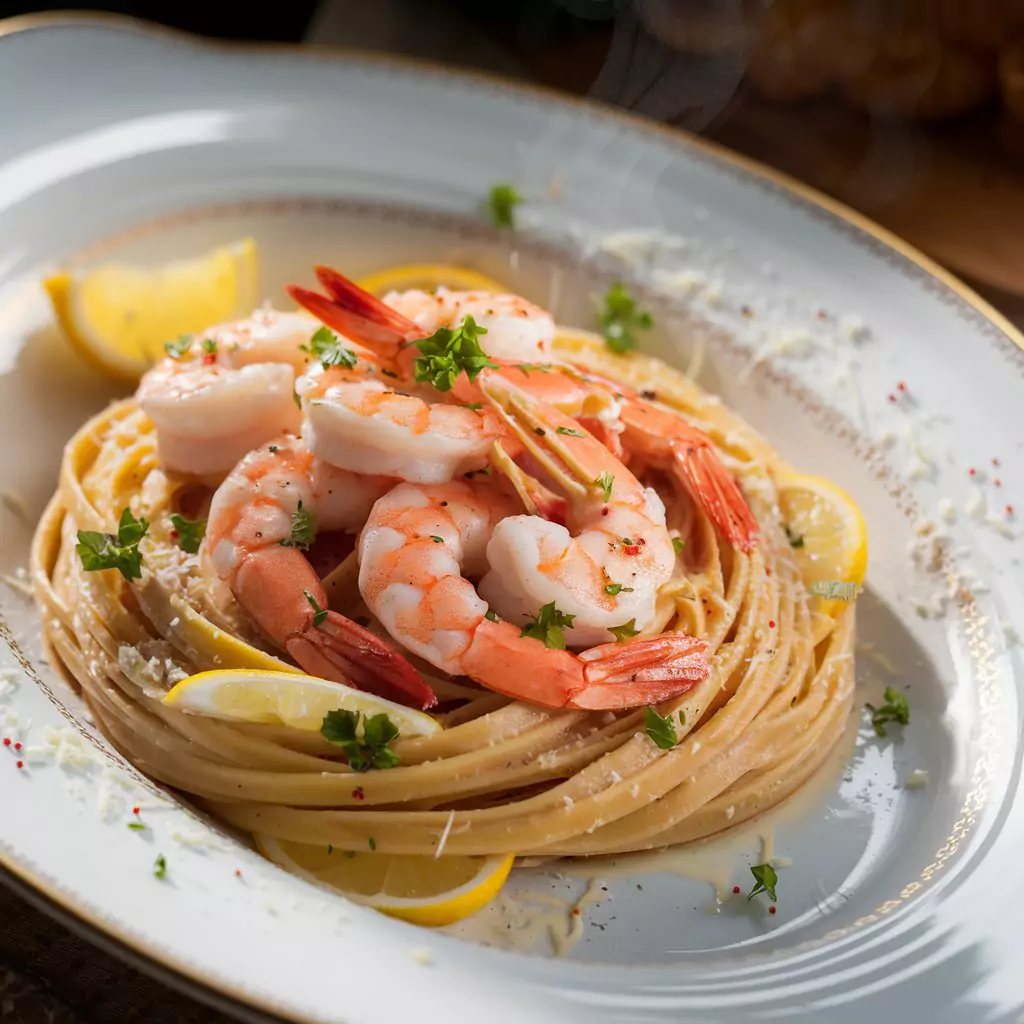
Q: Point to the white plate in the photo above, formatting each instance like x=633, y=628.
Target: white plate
x=899, y=904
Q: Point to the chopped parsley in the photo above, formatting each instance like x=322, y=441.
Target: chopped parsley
x=567, y=431
x=137, y=826
x=371, y=750
x=605, y=481
x=319, y=614
x=447, y=352
x=326, y=346
x=372, y=843
x=766, y=878
x=295, y=398
x=475, y=406
x=660, y=729
x=548, y=627
x=614, y=589
x=895, y=709
x=485, y=471
x=209, y=347
x=491, y=615
x=437, y=540
x=678, y=544
x=190, y=532
x=620, y=318
x=625, y=631
x=160, y=866
x=179, y=348
x=501, y=203
x=795, y=539
x=303, y=529
x=110, y=551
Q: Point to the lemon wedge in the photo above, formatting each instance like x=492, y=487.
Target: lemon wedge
x=829, y=538
x=119, y=316
x=424, y=890
x=428, y=276
x=285, y=698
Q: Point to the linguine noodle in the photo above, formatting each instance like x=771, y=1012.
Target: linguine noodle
x=503, y=775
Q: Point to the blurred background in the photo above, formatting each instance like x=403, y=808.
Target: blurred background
x=911, y=111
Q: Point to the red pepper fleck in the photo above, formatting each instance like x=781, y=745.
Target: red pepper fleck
x=7, y=741
x=772, y=909
x=822, y=314
x=238, y=872
x=892, y=398
x=995, y=461
x=767, y=570
x=902, y=386
x=174, y=534
x=771, y=623
x=641, y=542
x=19, y=764
x=210, y=358
x=604, y=511
x=1009, y=512
x=17, y=746
x=576, y=911
x=135, y=810
x=736, y=890
x=631, y=549
x=358, y=794
x=972, y=471
x=998, y=482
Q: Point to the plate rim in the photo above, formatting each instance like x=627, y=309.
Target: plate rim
x=63, y=906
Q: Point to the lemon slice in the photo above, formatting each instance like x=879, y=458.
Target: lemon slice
x=119, y=316
x=424, y=890
x=428, y=276
x=829, y=538
x=285, y=698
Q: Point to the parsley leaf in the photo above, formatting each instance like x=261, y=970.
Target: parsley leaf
x=372, y=843
x=795, y=539
x=447, y=352
x=179, y=348
x=326, y=346
x=605, y=481
x=501, y=203
x=160, y=866
x=766, y=878
x=121, y=552
x=660, y=729
x=303, y=529
x=895, y=709
x=437, y=540
x=678, y=544
x=209, y=346
x=614, y=589
x=372, y=750
x=620, y=318
x=295, y=398
x=137, y=826
x=625, y=631
x=566, y=430
x=190, y=532
x=319, y=614
x=548, y=626
x=491, y=615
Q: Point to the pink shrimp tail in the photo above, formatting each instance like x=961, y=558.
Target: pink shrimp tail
x=717, y=492
x=626, y=675
x=353, y=311
x=342, y=650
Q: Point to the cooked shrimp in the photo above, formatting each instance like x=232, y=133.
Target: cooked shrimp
x=516, y=329
x=420, y=544
x=261, y=518
x=621, y=419
x=362, y=424
x=227, y=392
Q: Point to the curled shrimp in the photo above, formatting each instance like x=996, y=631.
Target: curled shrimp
x=261, y=518
x=622, y=419
x=226, y=392
x=421, y=543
